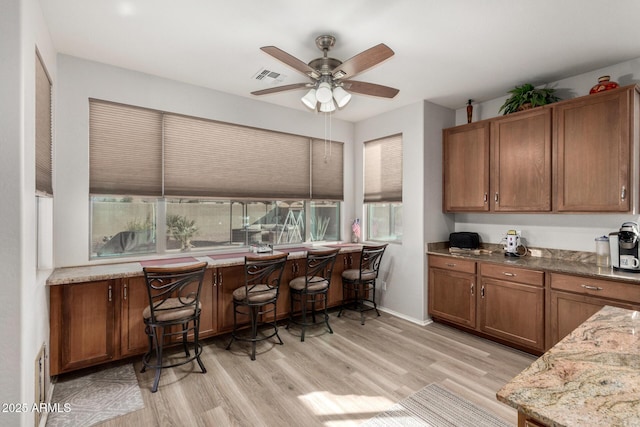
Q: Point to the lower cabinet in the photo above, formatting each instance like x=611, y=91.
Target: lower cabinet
x=574, y=299
x=499, y=302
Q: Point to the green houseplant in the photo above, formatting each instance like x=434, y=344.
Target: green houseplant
x=182, y=229
x=527, y=96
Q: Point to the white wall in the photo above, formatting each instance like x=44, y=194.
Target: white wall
x=404, y=265
x=80, y=80
x=23, y=295
x=570, y=232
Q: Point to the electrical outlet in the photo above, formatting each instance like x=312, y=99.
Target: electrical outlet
x=383, y=285
x=535, y=252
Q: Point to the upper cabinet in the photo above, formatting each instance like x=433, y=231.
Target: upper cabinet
x=593, y=152
x=571, y=156
x=521, y=162
x=466, y=168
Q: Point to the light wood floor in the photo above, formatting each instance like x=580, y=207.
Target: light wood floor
x=341, y=379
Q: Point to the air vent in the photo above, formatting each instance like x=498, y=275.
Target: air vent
x=269, y=76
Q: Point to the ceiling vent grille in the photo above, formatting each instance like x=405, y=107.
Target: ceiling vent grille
x=269, y=76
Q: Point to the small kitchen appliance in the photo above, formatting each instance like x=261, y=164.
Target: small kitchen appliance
x=623, y=248
x=512, y=245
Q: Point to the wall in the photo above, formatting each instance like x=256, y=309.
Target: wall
x=570, y=232
x=80, y=79
x=23, y=295
x=404, y=265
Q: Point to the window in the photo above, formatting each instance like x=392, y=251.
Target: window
x=185, y=181
x=383, y=188
x=43, y=130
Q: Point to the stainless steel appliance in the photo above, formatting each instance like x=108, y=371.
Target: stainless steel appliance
x=624, y=247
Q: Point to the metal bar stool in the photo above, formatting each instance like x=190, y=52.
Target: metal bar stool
x=312, y=288
x=258, y=297
x=173, y=310
x=359, y=285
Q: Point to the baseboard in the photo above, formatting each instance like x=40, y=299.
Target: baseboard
x=407, y=318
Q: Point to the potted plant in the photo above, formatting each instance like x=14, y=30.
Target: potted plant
x=182, y=229
x=527, y=96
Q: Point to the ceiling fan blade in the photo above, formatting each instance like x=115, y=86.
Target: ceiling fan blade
x=372, y=89
x=280, y=89
x=291, y=61
x=363, y=61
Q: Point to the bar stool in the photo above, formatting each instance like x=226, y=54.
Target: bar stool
x=257, y=298
x=359, y=285
x=312, y=288
x=174, y=309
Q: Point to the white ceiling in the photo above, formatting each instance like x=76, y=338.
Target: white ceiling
x=446, y=51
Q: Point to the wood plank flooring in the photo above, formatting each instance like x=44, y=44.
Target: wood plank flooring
x=339, y=379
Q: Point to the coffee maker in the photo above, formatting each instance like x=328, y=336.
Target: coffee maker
x=624, y=248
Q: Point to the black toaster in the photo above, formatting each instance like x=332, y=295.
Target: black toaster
x=464, y=240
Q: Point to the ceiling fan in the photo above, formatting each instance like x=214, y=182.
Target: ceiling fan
x=330, y=77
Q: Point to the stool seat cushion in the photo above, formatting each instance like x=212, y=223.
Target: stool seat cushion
x=257, y=294
x=172, y=309
x=316, y=283
x=354, y=274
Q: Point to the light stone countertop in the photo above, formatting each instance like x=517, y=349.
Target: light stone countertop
x=94, y=272
x=590, y=378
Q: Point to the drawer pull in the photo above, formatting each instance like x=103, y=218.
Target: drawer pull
x=472, y=285
x=450, y=265
x=506, y=273
x=592, y=288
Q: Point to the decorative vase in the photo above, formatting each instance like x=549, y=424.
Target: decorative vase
x=469, y=111
x=604, y=84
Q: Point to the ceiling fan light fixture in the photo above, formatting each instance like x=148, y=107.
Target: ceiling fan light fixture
x=323, y=93
x=327, y=107
x=341, y=96
x=309, y=100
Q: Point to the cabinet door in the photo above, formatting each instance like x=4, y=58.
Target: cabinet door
x=452, y=296
x=465, y=154
x=87, y=324
x=209, y=304
x=229, y=279
x=513, y=312
x=334, y=296
x=593, y=153
x=521, y=162
x=134, y=299
x=293, y=268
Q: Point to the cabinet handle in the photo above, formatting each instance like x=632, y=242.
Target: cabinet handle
x=124, y=291
x=214, y=279
x=486, y=197
x=482, y=291
x=109, y=293
x=220, y=279
x=592, y=288
x=472, y=286
x=450, y=265
x=506, y=273
x=496, y=198
x=623, y=193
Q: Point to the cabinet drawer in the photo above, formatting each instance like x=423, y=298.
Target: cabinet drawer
x=596, y=287
x=512, y=274
x=452, y=263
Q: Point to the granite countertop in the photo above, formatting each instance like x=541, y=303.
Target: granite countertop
x=559, y=261
x=591, y=377
x=89, y=273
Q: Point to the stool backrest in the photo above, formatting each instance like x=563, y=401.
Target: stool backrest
x=371, y=257
x=320, y=264
x=263, y=274
x=180, y=284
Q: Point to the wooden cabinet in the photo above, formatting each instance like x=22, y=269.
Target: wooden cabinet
x=593, y=152
x=82, y=325
x=133, y=300
x=228, y=280
x=344, y=261
x=511, y=305
x=465, y=154
x=521, y=162
x=574, y=299
x=452, y=292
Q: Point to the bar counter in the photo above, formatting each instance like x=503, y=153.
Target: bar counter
x=590, y=378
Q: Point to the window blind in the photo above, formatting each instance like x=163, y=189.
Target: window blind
x=43, y=130
x=209, y=158
x=327, y=176
x=383, y=170
x=125, y=149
